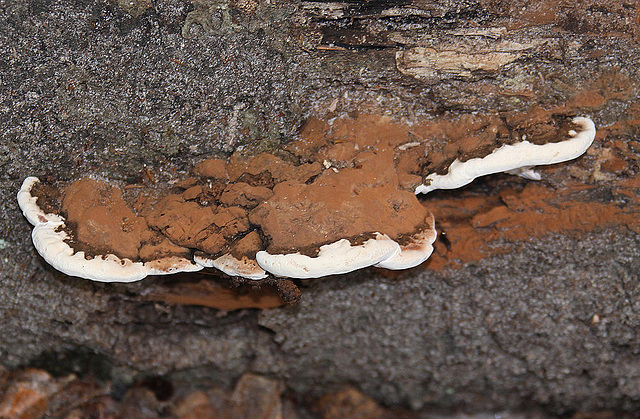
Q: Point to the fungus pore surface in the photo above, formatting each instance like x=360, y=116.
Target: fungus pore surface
x=340, y=198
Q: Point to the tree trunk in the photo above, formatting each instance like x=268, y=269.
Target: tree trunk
x=531, y=296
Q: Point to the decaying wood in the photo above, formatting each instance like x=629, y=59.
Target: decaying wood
x=500, y=319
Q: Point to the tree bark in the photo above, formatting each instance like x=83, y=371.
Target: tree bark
x=532, y=294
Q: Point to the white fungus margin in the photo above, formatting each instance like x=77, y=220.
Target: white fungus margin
x=49, y=239
x=335, y=258
x=516, y=158
x=416, y=251
x=341, y=257
x=245, y=267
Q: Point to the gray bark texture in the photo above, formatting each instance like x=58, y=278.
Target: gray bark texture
x=118, y=89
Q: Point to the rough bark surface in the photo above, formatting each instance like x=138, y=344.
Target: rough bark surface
x=138, y=91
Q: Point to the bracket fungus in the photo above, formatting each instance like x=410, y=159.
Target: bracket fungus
x=337, y=200
x=54, y=243
x=517, y=159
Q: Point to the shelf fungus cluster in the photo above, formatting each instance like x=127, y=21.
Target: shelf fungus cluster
x=337, y=200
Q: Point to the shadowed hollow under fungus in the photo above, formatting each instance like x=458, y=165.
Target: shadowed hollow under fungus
x=336, y=200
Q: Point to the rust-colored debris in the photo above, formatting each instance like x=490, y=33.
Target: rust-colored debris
x=474, y=223
x=208, y=293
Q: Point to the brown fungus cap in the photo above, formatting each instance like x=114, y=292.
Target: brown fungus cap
x=212, y=168
x=103, y=223
x=95, y=258
x=206, y=228
x=346, y=203
x=278, y=169
x=244, y=195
